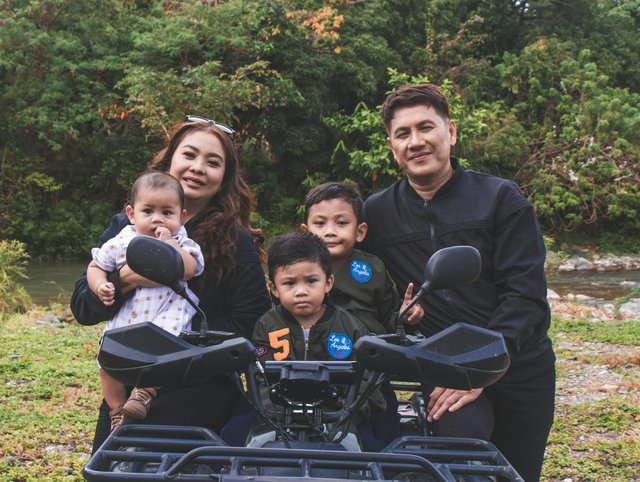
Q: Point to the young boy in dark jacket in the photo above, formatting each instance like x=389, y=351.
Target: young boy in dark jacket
x=306, y=325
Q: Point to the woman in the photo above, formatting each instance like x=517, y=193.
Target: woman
x=232, y=289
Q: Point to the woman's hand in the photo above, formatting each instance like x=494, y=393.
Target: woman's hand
x=415, y=314
x=443, y=400
x=130, y=280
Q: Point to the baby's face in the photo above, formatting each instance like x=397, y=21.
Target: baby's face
x=335, y=222
x=156, y=208
x=301, y=288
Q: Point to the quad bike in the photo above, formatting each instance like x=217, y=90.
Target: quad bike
x=309, y=438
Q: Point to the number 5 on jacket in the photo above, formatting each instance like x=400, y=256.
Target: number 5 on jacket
x=276, y=341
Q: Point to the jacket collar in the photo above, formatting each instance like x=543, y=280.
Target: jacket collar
x=330, y=309
x=446, y=187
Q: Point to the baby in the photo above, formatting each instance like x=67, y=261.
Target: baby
x=156, y=209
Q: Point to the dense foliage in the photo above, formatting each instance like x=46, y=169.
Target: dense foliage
x=13, y=267
x=544, y=92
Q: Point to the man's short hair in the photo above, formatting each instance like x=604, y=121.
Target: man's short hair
x=349, y=193
x=292, y=248
x=412, y=95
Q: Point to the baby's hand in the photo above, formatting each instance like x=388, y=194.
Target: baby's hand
x=162, y=233
x=415, y=314
x=107, y=293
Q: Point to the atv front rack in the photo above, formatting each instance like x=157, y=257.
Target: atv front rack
x=156, y=453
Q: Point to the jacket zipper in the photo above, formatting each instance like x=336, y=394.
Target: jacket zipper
x=434, y=247
x=432, y=231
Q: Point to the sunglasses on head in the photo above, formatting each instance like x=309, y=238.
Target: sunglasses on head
x=223, y=127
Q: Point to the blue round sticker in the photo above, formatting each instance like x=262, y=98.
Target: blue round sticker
x=339, y=345
x=360, y=271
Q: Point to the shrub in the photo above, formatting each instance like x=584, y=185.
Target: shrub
x=582, y=170
x=13, y=265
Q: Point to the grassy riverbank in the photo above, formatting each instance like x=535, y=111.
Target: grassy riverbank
x=49, y=397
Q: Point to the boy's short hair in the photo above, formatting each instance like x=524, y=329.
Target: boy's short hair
x=334, y=190
x=156, y=180
x=293, y=248
x=412, y=95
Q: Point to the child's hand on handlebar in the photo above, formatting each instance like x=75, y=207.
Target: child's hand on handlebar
x=415, y=314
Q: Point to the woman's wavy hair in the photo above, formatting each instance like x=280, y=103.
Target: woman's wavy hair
x=230, y=207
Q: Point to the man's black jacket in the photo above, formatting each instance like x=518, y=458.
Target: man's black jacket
x=490, y=214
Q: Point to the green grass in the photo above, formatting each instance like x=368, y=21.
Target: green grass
x=597, y=441
x=49, y=398
x=618, y=332
x=594, y=442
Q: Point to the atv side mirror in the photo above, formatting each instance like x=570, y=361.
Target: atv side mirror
x=157, y=261
x=160, y=262
x=451, y=267
x=446, y=268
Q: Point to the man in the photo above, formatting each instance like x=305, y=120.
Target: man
x=439, y=204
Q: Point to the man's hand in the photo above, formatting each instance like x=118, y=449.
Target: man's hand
x=443, y=400
x=415, y=314
x=107, y=293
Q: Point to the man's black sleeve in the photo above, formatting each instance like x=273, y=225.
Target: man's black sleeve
x=522, y=312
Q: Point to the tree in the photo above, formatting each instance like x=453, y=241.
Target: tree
x=60, y=62
x=88, y=90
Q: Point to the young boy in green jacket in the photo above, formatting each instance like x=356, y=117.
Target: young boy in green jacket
x=362, y=285
x=306, y=325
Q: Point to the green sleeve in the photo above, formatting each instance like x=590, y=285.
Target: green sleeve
x=388, y=305
x=260, y=340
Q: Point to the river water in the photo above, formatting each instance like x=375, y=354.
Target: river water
x=53, y=282
x=601, y=285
